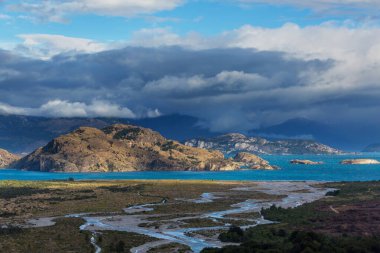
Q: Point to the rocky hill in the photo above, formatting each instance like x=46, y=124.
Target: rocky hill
x=232, y=143
x=7, y=158
x=252, y=161
x=23, y=134
x=123, y=148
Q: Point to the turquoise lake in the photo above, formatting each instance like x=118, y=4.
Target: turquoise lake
x=331, y=170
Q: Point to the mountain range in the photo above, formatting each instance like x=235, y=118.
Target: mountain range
x=343, y=136
x=375, y=147
x=234, y=143
x=23, y=134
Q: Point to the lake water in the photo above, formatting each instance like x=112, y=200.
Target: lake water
x=331, y=170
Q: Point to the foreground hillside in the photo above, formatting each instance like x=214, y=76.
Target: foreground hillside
x=7, y=158
x=127, y=148
x=231, y=143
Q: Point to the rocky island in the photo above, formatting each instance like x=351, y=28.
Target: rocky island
x=254, y=162
x=126, y=148
x=232, y=143
x=305, y=162
x=6, y=158
x=360, y=161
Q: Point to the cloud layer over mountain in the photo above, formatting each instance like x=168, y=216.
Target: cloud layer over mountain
x=232, y=86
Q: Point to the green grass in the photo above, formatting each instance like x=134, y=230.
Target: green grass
x=113, y=241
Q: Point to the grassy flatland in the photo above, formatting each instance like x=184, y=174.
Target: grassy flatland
x=22, y=200
x=25, y=199
x=63, y=237
x=346, y=221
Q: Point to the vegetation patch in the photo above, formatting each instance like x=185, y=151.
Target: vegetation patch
x=206, y=233
x=171, y=247
x=117, y=242
x=200, y=223
x=128, y=134
x=271, y=240
x=14, y=192
x=169, y=145
x=252, y=215
x=116, y=188
x=347, y=220
x=62, y=237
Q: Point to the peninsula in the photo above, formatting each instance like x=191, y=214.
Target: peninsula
x=127, y=148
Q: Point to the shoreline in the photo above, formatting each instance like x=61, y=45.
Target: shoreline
x=189, y=181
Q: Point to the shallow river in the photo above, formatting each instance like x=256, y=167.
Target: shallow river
x=297, y=193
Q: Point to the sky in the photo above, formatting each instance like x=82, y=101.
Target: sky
x=236, y=65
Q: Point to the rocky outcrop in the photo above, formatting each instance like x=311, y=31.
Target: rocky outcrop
x=7, y=158
x=121, y=148
x=233, y=143
x=360, y=161
x=306, y=162
x=254, y=162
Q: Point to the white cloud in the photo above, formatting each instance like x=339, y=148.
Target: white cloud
x=153, y=113
x=353, y=7
x=356, y=51
x=57, y=10
x=164, y=36
x=224, y=82
x=5, y=17
x=44, y=46
x=63, y=108
x=8, y=109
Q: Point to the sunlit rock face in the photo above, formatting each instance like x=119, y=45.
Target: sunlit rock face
x=254, y=162
x=7, y=158
x=232, y=143
x=360, y=161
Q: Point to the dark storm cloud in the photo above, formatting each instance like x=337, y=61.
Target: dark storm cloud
x=227, y=86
